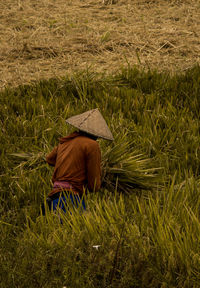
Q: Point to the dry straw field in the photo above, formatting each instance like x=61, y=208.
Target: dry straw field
x=47, y=38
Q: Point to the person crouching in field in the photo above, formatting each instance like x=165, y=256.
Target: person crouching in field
x=77, y=161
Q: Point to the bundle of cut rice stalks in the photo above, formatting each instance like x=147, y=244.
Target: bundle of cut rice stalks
x=28, y=161
x=128, y=170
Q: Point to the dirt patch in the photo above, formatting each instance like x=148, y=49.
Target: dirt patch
x=48, y=38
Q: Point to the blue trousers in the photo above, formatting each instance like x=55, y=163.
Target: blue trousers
x=66, y=201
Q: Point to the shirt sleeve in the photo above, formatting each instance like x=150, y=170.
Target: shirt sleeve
x=94, y=168
x=51, y=157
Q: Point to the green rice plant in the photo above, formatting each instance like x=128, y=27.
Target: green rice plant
x=125, y=238
x=158, y=246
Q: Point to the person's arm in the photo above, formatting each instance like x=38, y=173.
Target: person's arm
x=94, y=168
x=51, y=157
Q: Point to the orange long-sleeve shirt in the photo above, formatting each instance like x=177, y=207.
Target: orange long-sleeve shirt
x=77, y=160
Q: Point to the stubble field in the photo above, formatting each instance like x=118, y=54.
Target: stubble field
x=48, y=38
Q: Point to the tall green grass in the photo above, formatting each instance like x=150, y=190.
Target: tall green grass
x=146, y=215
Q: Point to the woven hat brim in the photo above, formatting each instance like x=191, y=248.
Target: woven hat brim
x=91, y=122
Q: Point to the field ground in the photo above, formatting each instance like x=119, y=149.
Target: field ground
x=149, y=236
x=48, y=38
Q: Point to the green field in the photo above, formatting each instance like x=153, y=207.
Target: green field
x=146, y=215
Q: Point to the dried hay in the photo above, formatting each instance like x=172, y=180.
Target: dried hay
x=42, y=39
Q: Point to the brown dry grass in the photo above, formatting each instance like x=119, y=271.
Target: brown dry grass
x=47, y=38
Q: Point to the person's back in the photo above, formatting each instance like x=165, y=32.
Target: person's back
x=77, y=161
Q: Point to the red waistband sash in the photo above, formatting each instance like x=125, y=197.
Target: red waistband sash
x=62, y=184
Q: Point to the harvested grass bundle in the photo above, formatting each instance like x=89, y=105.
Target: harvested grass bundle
x=128, y=169
x=28, y=161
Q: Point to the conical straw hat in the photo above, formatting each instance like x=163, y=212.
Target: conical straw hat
x=91, y=122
